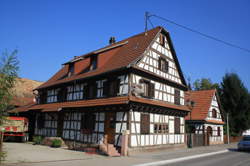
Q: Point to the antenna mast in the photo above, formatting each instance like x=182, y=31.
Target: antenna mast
x=146, y=22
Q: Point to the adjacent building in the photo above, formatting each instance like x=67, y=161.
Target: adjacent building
x=206, y=116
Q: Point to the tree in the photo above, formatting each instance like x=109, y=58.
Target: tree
x=235, y=100
x=204, y=84
x=8, y=74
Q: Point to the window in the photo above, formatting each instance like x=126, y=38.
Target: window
x=93, y=62
x=162, y=40
x=177, y=124
x=163, y=64
x=75, y=92
x=71, y=69
x=160, y=128
x=214, y=113
x=218, y=131
x=145, y=123
x=177, y=96
x=52, y=95
x=148, y=88
x=88, y=123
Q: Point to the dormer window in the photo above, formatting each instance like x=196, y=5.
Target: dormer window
x=93, y=62
x=163, y=65
x=71, y=69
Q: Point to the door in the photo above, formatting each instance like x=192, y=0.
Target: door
x=209, y=133
x=110, y=127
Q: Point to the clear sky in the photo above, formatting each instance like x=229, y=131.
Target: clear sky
x=48, y=33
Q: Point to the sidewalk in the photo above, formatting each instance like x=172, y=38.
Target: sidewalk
x=136, y=159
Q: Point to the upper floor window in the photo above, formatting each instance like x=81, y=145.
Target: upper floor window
x=214, y=113
x=163, y=64
x=148, y=88
x=93, y=62
x=52, y=95
x=177, y=96
x=162, y=40
x=75, y=92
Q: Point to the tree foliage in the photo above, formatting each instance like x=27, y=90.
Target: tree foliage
x=204, y=84
x=8, y=74
x=235, y=100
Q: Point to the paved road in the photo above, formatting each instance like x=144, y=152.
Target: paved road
x=232, y=158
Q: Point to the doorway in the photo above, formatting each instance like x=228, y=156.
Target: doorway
x=109, y=127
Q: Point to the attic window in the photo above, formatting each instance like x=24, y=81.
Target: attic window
x=93, y=62
x=162, y=40
x=71, y=69
x=163, y=64
x=214, y=113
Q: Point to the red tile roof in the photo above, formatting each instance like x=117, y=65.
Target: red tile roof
x=159, y=103
x=116, y=56
x=202, y=99
x=80, y=103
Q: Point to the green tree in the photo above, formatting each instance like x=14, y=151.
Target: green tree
x=235, y=100
x=204, y=84
x=8, y=74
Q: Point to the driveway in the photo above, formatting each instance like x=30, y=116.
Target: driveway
x=28, y=153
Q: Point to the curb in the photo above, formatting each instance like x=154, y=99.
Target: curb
x=181, y=159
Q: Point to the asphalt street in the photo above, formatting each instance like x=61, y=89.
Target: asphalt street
x=232, y=158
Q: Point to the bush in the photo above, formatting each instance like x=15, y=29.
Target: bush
x=3, y=155
x=56, y=143
x=37, y=140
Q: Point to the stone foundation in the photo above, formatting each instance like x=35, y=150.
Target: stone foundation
x=154, y=148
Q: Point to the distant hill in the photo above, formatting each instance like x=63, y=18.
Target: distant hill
x=23, y=91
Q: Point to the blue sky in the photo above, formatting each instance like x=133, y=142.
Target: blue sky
x=48, y=33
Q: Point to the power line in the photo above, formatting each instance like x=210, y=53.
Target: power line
x=200, y=33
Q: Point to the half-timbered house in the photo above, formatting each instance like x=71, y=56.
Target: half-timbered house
x=206, y=116
x=134, y=85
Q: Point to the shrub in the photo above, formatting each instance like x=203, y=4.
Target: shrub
x=56, y=143
x=37, y=140
x=3, y=155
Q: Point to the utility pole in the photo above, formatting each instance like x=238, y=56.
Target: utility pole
x=146, y=22
x=227, y=130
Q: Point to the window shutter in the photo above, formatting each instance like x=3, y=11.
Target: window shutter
x=106, y=88
x=218, y=131
x=177, y=125
x=177, y=96
x=159, y=63
x=151, y=90
x=86, y=93
x=145, y=123
x=117, y=86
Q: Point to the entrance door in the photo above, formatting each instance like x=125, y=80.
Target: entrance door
x=110, y=127
x=209, y=133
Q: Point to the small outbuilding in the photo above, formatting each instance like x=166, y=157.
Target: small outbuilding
x=206, y=118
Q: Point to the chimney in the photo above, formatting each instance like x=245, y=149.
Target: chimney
x=112, y=40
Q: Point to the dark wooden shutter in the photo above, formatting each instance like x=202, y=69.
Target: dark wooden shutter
x=166, y=66
x=162, y=41
x=177, y=96
x=145, y=123
x=159, y=63
x=218, y=131
x=177, y=124
x=91, y=90
x=151, y=90
x=106, y=88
